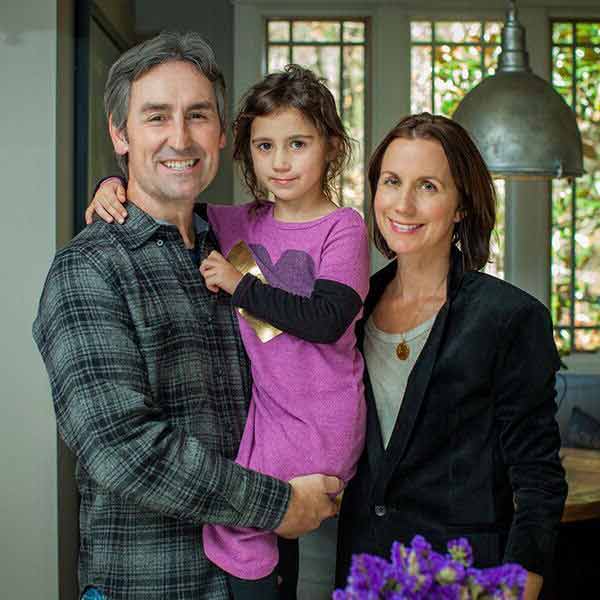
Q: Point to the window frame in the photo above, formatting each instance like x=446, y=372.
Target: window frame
x=571, y=328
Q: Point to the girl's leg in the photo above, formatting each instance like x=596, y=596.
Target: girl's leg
x=255, y=589
x=287, y=569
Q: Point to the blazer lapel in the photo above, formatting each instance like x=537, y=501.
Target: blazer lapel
x=416, y=389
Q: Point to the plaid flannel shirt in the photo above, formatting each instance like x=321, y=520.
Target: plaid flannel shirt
x=150, y=385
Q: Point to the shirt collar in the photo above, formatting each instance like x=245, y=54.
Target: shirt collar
x=139, y=227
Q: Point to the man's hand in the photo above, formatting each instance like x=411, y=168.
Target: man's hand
x=108, y=202
x=312, y=501
x=219, y=274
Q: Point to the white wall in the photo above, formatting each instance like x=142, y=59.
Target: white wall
x=28, y=450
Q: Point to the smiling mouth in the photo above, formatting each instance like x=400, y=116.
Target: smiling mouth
x=282, y=180
x=180, y=165
x=404, y=228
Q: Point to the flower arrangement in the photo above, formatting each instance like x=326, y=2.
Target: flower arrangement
x=417, y=572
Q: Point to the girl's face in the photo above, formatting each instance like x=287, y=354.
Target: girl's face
x=289, y=156
x=416, y=201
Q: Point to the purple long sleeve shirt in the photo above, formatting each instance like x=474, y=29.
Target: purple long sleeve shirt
x=307, y=411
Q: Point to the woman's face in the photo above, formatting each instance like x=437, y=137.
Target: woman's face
x=416, y=201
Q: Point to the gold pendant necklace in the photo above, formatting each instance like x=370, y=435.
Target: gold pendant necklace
x=402, y=350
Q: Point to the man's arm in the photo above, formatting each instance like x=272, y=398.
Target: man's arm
x=107, y=416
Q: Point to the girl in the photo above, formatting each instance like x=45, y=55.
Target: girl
x=307, y=412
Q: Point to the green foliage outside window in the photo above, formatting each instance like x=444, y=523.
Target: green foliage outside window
x=576, y=205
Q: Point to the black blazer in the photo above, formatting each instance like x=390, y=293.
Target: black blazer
x=474, y=452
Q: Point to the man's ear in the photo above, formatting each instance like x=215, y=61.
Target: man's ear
x=118, y=137
x=222, y=140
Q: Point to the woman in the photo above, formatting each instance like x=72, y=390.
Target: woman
x=461, y=437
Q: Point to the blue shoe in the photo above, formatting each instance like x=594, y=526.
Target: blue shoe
x=93, y=593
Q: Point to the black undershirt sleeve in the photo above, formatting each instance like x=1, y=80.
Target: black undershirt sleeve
x=321, y=318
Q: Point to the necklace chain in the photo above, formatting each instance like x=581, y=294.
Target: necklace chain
x=403, y=349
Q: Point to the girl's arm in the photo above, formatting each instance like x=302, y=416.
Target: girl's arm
x=337, y=295
x=321, y=318
x=107, y=200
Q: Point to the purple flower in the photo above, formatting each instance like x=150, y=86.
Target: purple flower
x=417, y=572
x=460, y=551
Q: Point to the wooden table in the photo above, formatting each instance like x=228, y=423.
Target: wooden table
x=583, y=475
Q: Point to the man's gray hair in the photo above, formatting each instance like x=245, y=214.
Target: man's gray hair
x=166, y=46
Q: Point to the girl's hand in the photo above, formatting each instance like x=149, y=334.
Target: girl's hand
x=108, y=202
x=219, y=274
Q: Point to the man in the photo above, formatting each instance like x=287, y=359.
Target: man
x=148, y=374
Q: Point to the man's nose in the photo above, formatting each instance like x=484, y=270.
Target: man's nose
x=180, y=134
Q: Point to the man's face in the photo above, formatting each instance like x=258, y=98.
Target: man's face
x=173, y=133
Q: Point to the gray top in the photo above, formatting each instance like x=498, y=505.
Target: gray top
x=387, y=373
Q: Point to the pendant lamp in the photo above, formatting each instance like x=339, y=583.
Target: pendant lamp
x=521, y=124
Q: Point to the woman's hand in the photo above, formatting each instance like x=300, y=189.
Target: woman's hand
x=108, y=202
x=219, y=274
x=533, y=586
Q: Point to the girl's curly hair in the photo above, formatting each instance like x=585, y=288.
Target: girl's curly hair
x=299, y=88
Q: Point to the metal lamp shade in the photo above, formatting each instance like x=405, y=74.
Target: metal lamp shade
x=522, y=126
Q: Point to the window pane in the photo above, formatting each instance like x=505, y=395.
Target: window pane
x=353, y=115
x=496, y=266
x=562, y=337
x=420, y=85
x=491, y=54
x=420, y=31
x=562, y=72
x=316, y=31
x=588, y=33
x=279, y=31
x=562, y=33
x=278, y=57
x=561, y=252
x=588, y=82
x=457, y=32
x=457, y=70
x=493, y=32
x=587, y=252
x=587, y=340
x=354, y=31
x=324, y=61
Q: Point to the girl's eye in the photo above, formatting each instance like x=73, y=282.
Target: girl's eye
x=429, y=187
x=156, y=118
x=197, y=116
x=390, y=180
x=297, y=144
x=264, y=146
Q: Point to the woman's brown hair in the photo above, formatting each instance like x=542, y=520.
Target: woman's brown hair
x=299, y=88
x=477, y=196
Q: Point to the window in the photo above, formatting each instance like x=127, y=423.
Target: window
x=576, y=205
x=335, y=49
x=448, y=59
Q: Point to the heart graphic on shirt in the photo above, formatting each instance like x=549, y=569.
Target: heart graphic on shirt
x=294, y=272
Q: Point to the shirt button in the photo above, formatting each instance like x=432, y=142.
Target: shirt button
x=380, y=510
x=159, y=243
